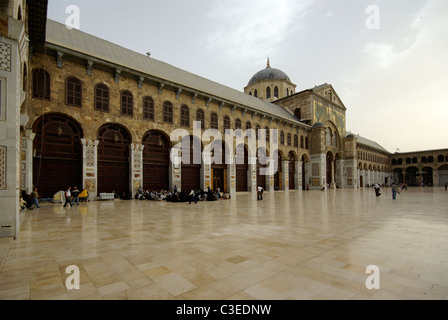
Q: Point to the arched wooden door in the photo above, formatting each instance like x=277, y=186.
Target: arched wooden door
x=190, y=172
x=113, y=159
x=57, y=159
x=292, y=171
x=156, y=161
x=242, y=167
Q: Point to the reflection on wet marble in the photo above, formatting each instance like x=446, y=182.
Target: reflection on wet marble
x=290, y=245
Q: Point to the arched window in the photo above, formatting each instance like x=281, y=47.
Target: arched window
x=268, y=92
x=306, y=143
x=127, y=103
x=282, y=138
x=19, y=13
x=73, y=92
x=430, y=159
x=248, y=125
x=226, y=123
x=296, y=141
x=41, y=84
x=257, y=129
x=301, y=142
x=288, y=139
x=440, y=158
x=167, y=112
x=400, y=161
x=148, y=108
x=237, y=124
x=214, y=121
x=200, y=117
x=424, y=160
x=256, y=93
x=250, y=93
x=287, y=92
x=101, y=97
x=394, y=161
x=184, y=116
x=276, y=91
x=297, y=113
x=267, y=134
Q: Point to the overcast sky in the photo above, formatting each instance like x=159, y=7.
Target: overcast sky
x=387, y=60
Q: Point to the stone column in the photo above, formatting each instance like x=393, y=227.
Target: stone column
x=90, y=167
x=318, y=171
x=340, y=177
x=206, y=170
x=435, y=177
x=285, y=175
x=252, y=175
x=298, y=178
x=333, y=175
x=175, y=170
x=27, y=161
x=136, y=167
x=231, y=179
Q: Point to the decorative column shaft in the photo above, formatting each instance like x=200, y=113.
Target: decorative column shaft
x=136, y=167
x=90, y=167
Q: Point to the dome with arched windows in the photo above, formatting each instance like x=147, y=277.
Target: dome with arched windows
x=268, y=74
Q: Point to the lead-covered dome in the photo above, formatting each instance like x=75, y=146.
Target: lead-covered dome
x=269, y=74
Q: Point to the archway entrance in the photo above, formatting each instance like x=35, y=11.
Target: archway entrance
x=219, y=166
x=191, y=172
x=411, y=176
x=242, y=168
x=427, y=176
x=261, y=164
x=291, y=170
x=278, y=174
x=57, y=161
x=330, y=168
x=156, y=161
x=113, y=159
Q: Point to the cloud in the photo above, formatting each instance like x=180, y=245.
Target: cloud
x=401, y=83
x=245, y=30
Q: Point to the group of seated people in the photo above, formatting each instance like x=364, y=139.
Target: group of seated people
x=175, y=196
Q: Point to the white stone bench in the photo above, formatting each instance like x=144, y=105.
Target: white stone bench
x=106, y=196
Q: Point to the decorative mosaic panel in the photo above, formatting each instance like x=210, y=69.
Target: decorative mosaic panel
x=2, y=167
x=90, y=157
x=137, y=160
x=315, y=169
x=5, y=56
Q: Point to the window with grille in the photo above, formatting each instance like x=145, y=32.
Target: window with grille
x=288, y=139
x=226, y=122
x=73, y=92
x=237, y=124
x=184, y=116
x=167, y=112
x=257, y=129
x=214, y=121
x=41, y=84
x=127, y=103
x=296, y=141
x=200, y=117
x=267, y=134
x=282, y=138
x=268, y=92
x=148, y=108
x=102, y=97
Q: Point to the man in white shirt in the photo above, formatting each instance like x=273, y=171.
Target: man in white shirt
x=260, y=193
x=68, y=196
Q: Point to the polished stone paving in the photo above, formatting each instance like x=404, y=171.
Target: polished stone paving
x=291, y=245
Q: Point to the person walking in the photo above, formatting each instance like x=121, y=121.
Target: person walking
x=394, y=190
x=34, y=199
x=75, y=195
x=260, y=193
x=191, y=197
x=377, y=190
x=68, y=196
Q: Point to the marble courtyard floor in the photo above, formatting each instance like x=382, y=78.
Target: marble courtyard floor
x=291, y=245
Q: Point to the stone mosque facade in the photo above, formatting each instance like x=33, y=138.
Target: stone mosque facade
x=79, y=110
